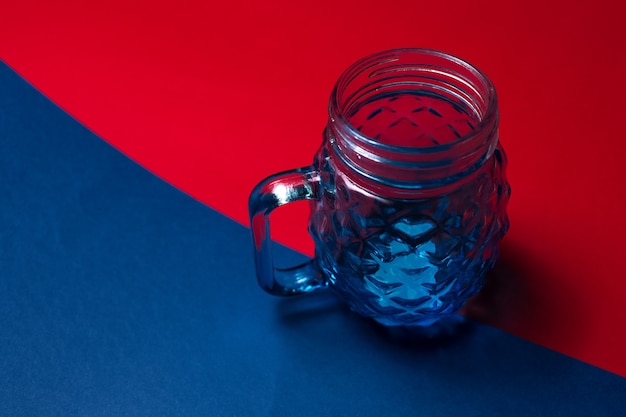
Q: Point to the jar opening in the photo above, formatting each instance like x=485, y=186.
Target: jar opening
x=430, y=116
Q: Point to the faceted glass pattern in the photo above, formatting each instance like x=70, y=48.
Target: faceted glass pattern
x=409, y=262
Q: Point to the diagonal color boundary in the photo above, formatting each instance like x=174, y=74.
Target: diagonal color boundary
x=120, y=295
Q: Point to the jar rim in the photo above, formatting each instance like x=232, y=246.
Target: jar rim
x=338, y=116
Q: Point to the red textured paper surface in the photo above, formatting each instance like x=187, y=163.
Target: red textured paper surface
x=213, y=97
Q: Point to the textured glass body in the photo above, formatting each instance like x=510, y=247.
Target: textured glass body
x=408, y=262
x=408, y=190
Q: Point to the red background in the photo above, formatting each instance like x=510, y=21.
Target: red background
x=213, y=97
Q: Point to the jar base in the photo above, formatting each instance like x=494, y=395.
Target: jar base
x=431, y=328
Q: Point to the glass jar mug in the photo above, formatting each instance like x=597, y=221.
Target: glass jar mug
x=408, y=191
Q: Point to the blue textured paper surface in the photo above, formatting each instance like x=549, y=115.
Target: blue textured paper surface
x=120, y=295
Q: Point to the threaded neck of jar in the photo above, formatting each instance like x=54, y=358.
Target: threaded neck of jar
x=412, y=120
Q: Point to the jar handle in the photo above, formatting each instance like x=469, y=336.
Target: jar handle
x=269, y=194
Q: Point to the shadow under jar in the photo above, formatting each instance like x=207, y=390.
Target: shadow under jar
x=408, y=191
